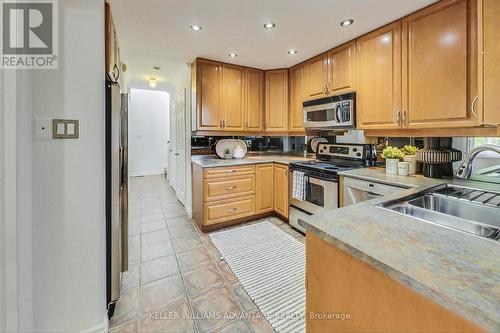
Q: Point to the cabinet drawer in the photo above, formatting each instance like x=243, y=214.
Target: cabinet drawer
x=224, y=188
x=229, y=171
x=227, y=210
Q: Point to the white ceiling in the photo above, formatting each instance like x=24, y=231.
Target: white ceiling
x=149, y=30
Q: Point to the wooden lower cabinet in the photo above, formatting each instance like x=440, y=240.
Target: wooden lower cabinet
x=264, y=187
x=230, y=209
x=234, y=194
x=281, y=189
x=337, y=282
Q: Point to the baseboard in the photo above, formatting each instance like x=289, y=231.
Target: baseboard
x=147, y=173
x=189, y=211
x=101, y=328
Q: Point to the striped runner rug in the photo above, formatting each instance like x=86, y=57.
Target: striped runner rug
x=270, y=265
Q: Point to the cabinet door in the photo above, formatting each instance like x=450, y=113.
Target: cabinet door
x=342, y=69
x=264, y=187
x=277, y=100
x=281, y=189
x=379, y=86
x=491, y=69
x=232, y=96
x=296, y=98
x=208, y=100
x=440, y=66
x=254, y=112
x=317, y=76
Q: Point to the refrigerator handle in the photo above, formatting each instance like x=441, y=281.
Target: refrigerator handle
x=122, y=167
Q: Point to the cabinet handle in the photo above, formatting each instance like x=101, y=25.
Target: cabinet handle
x=405, y=119
x=229, y=171
x=220, y=123
x=398, y=117
x=230, y=187
x=328, y=88
x=473, y=107
x=223, y=124
x=231, y=210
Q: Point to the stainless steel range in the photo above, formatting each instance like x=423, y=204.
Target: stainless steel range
x=314, y=184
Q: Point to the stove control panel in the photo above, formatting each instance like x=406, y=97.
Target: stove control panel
x=342, y=150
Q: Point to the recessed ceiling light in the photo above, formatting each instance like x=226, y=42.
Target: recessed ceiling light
x=269, y=25
x=196, y=27
x=346, y=23
x=292, y=52
x=232, y=55
x=152, y=82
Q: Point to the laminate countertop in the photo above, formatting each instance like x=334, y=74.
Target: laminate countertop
x=459, y=271
x=210, y=161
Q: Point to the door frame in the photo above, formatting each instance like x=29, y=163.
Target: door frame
x=9, y=237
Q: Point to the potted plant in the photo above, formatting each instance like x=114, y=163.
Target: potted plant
x=410, y=157
x=392, y=156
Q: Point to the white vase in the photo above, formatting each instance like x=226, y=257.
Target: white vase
x=412, y=159
x=403, y=168
x=391, y=166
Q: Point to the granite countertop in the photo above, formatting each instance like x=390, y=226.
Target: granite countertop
x=457, y=270
x=209, y=161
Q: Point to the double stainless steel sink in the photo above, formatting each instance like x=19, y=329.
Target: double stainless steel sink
x=466, y=209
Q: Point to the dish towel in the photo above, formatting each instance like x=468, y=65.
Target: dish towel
x=298, y=186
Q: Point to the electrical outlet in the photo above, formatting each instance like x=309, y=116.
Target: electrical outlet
x=42, y=128
x=65, y=129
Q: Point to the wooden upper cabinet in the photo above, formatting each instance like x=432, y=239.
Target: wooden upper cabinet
x=281, y=189
x=379, y=80
x=208, y=95
x=316, y=76
x=491, y=66
x=277, y=100
x=233, y=97
x=440, y=66
x=254, y=104
x=342, y=69
x=297, y=96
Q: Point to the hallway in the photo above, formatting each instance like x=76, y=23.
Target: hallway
x=176, y=280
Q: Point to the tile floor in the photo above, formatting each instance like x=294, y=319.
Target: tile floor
x=176, y=280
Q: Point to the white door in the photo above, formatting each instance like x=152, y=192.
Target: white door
x=180, y=140
x=172, y=164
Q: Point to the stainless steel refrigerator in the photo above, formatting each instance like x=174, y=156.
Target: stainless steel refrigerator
x=116, y=191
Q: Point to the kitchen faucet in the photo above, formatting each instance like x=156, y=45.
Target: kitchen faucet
x=465, y=169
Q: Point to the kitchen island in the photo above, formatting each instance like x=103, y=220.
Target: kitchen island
x=391, y=272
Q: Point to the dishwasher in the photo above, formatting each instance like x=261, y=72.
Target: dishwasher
x=356, y=190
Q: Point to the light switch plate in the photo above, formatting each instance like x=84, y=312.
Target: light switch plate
x=65, y=129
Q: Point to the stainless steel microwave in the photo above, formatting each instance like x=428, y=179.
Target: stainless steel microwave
x=330, y=112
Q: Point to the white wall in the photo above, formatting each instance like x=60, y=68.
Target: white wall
x=68, y=179
x=148, y=131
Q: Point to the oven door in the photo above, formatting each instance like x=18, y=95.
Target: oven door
x=321, y=195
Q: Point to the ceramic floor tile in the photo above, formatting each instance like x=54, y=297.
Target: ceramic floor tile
x=202, y=279
x=175, y=319
x=151, y=218
x=130, y=278
x=153, y=226
x=156, y=250
x=182, y=231
x=245, y=301
x=159, y=236
x=170, y=213
x=214, y=253
x=238, y=325
x=134, y=229
x=178, y=222
x=186, y=244
x=162, y=293
x=219, y=301
x=130, y=327
x=126, y=308
x=193, y=258
x=158, y=268
x=226, y=272
x=259, y=322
